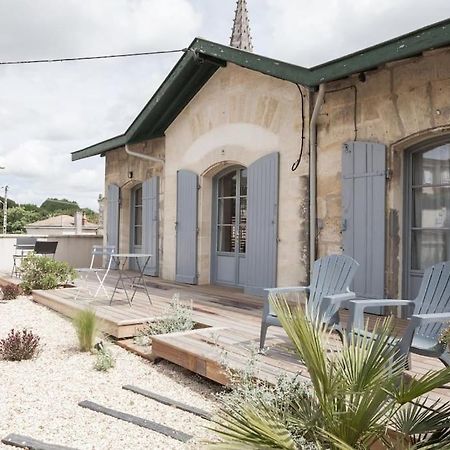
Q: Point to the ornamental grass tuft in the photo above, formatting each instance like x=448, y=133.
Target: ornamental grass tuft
x=85, y=323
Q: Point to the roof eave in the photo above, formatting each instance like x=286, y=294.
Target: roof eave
x=152, y=122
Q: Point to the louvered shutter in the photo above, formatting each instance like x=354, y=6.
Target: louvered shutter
x=363, y=203
x=112, y=224
x=186, y=227
x=150, y=223
x=262, y=222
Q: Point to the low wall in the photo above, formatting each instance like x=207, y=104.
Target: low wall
x=74, y=249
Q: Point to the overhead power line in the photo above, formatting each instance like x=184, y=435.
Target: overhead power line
x=88, y=58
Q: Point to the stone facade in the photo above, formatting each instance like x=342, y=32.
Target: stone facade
x=238, y=117
x=398, y=105
x=127, y=171
x=241, y=115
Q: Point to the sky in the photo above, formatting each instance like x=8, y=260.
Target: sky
x=48, y=111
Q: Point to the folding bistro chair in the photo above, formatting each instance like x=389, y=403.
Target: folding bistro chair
x=24, y=245
x=45, y=248
x=97, y=255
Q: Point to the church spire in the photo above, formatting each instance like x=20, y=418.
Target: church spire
x=240, y=37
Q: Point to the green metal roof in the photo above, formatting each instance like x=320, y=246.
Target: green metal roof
x=203, y=58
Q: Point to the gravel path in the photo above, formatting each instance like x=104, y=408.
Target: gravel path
x=39, y=398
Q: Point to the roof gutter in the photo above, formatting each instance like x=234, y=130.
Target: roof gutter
x=146, y=157
x=313, y=175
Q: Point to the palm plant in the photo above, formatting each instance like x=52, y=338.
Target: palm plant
x=358, y=396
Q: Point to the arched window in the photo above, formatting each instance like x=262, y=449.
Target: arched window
x=428, y=210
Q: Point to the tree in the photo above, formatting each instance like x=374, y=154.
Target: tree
x=19, y=217
x=55, y=206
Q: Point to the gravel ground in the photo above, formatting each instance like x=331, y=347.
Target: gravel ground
x=39, y=398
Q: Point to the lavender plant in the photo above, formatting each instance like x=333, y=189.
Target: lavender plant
x=10, y=291
x=177, y=317
x=19, y=345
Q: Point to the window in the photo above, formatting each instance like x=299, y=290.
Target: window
x=232, y=212
x=137, y=216
x=430, y=202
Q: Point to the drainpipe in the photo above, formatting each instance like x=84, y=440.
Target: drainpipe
x=313, y=175
x=146, y=157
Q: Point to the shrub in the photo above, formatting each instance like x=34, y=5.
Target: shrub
x=19, y=345
x=177, y=317
x=42, y=272
x=10, y=291
x=85, y=323
x=355, y=396
x=105, y=360
x=444, y=337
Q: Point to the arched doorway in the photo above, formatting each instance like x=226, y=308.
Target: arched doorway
x=427, y=221
x=229, y=240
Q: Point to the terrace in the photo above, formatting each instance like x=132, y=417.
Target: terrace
x=226, y=333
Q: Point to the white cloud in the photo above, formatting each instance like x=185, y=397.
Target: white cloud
x=49, y=110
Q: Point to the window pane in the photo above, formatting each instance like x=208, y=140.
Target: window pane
x=138, y=215
x=137, y=235
x=243, y=181
x=243, y=212
x=432, y=166
x=431, y=207
x=242, y=239
x=138, y=197
x=226, y=238
x=227, y=185
x=429, y=247
x=227, y=211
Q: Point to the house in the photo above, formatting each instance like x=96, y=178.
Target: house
x=63, y=225
x=242, y=169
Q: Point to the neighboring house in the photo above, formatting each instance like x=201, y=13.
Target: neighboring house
x=62, y=225
x=219, y=202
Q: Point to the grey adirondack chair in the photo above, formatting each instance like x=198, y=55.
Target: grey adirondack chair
x=328, y=292
x=428, y=314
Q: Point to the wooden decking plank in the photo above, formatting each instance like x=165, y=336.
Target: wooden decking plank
x=202, y=355
x=218, y=307
x=21, y=441
x=145, y=423
x=168, y=401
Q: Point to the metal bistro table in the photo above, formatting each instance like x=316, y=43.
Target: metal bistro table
x=137, y=279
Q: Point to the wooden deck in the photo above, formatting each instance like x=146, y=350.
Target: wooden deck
x=229, y=337
x=212, y=306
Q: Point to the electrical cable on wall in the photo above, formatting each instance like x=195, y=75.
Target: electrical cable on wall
x=297, y=163
x=87, y=58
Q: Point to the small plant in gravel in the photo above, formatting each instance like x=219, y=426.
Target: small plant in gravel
x=10, y=291
x=42, y=272
x=444, y=337
x=105, y=360
x=246, y=388
x=85, y=323
x=177, y=317
x=19, y=345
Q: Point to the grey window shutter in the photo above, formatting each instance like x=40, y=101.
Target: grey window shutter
x=262, y=222
x=150, y=223
x=112, y=225
x=186, y=227
x=363, y=203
